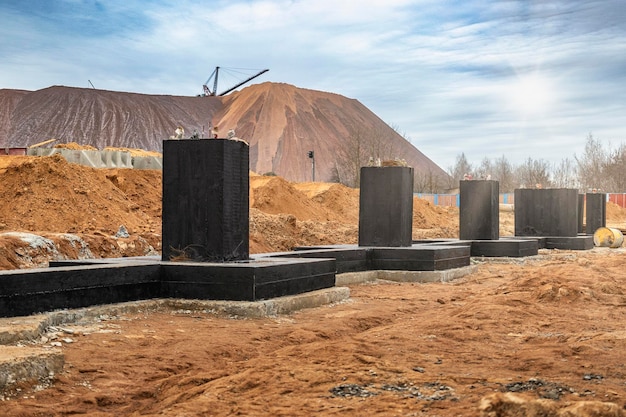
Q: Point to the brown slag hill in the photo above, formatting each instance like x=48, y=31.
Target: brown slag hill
x=281, y=123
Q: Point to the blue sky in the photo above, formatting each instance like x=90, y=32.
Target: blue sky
x=517, y=78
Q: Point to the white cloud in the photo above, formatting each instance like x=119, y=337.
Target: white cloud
x=443, y=72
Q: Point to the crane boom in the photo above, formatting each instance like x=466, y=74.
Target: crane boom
x=214, y=76
x=223, y=93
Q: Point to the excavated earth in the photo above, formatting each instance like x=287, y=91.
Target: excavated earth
x=540, y=336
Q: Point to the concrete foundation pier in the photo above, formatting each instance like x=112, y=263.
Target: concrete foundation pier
x=596, y=212
x=205, y=200
x=386, y=206
x=479, y=211
x=581, y=212
x=546, y=212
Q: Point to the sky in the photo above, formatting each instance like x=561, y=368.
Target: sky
x=515, y=78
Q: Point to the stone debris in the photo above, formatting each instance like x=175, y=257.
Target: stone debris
x=351, y=390
x=545, y=389
x=429, y=391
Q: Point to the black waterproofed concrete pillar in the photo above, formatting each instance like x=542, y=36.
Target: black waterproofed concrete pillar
x=596, y=212
x=581, y=212
x=546, y=212
x=205, y=200
x=386, y=206
x=479, y=211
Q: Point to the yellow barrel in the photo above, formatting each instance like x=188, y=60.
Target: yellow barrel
x=608, y=237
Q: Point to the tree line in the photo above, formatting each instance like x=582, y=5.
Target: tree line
x=599, y=167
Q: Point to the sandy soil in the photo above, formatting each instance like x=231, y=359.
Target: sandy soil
x=549, y=327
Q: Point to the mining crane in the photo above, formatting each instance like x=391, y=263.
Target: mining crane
x=214, y=76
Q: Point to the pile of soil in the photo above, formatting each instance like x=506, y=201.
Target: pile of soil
x=64, y=203
x=615, y=216
x=285, y=215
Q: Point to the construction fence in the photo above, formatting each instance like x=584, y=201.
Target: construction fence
x=505, y=198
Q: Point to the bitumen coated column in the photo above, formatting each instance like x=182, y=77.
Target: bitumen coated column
x=205, y=200
x=479, y=210
x=546, y=212
x=596, y=212
x=386, y=206
x=581, y=212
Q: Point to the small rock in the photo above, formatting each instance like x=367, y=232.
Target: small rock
x=56, y=344
x=122, y=232
x=67, y=340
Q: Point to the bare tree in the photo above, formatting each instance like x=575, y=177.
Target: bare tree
x=484, y=170
x=461, y=168
x=428, y=182
x=614, y=178
x=590, y=165
x=353, y=153
x=533, y=173
x=503, y=171
x=361, y=146
x=564, y=174
x=335, y=175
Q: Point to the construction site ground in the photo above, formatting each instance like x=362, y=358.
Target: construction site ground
x=548, y=329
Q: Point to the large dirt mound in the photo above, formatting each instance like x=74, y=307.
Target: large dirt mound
x=283, y=232
x=337, y=198
x=50, y=194
x=75, y=211
x=274, y=195
x=280, y=121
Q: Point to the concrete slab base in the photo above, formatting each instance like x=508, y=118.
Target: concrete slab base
x=22, y=364
x=580, y=242
x=253, y=280
x=351, y=278
x=418, y=257
x=541, y=241
x=347, y=258
x=15, y=329
x=27, y=292
x=505, y=248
